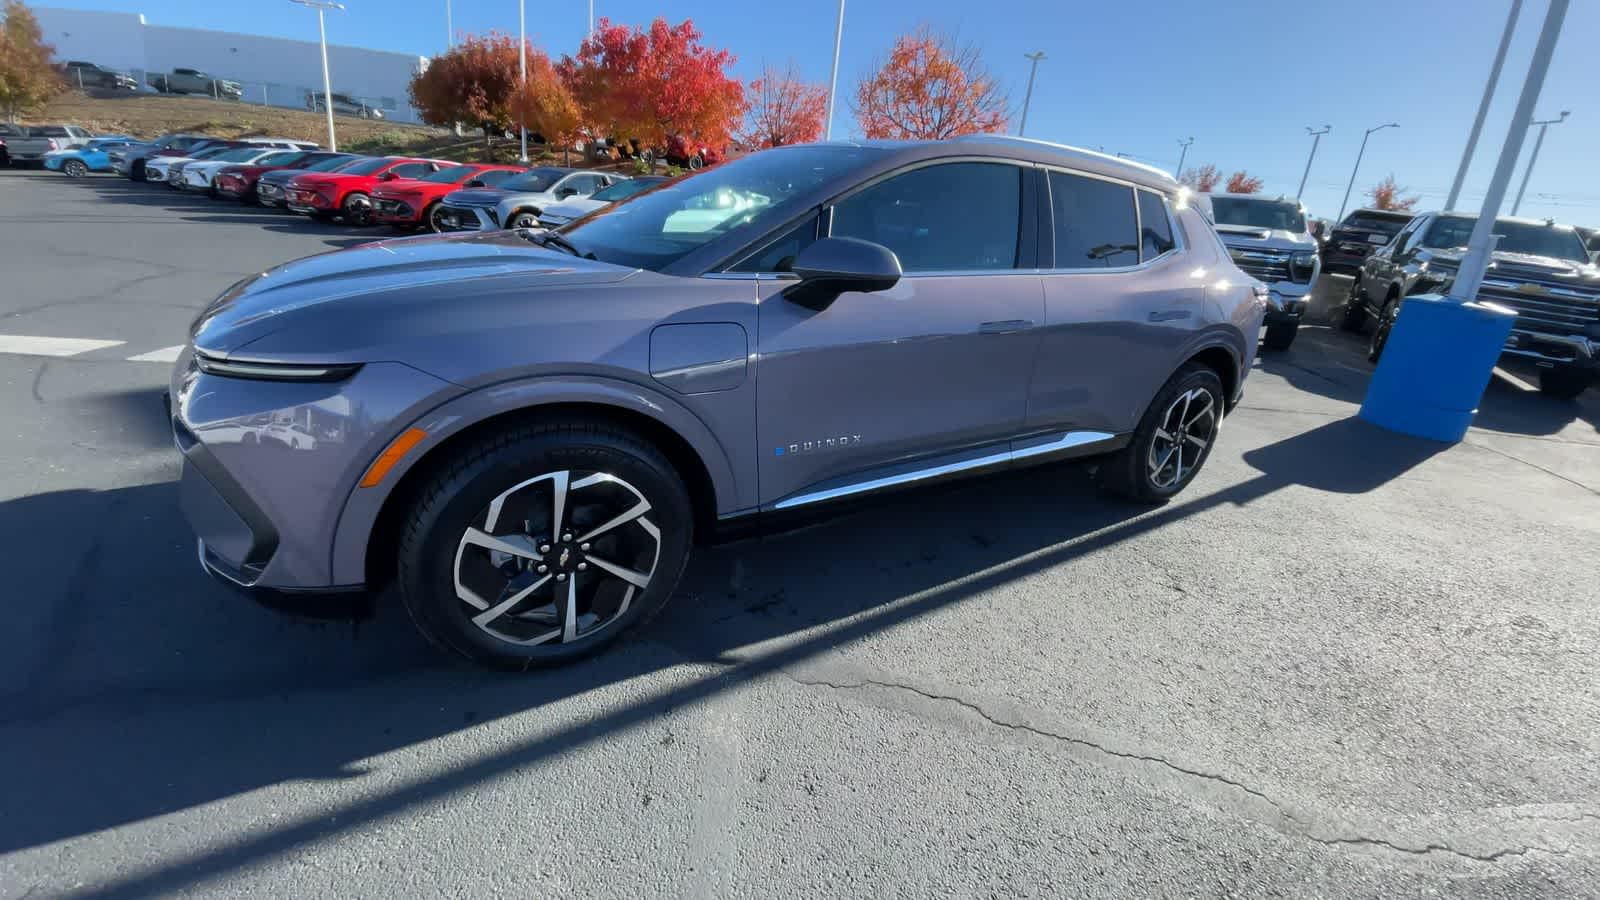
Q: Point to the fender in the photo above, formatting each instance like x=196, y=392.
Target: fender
x=362, y=507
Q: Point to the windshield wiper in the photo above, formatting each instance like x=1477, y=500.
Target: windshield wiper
x=551, y=239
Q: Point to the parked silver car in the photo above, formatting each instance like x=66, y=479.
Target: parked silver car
x=343, y=105
x=529, y=429
x=194, y=81
x=1269, y=238
x=518, y=202
x=577, y=207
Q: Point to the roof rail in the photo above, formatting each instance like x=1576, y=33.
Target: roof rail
x=1067, y=148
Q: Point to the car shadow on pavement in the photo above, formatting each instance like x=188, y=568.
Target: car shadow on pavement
x=143, y=688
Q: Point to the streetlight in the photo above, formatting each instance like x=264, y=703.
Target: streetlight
x=1184, y=155
x=1316, y=138
x=449, y=27
x=322, y=6
x=1033, y=69
x=833, y=80
x=1363, y=152
x=1537, y=143
x=522, y=64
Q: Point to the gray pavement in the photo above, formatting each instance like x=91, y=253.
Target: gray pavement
x=1345, y=663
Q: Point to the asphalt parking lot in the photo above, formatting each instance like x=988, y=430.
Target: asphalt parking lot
x=1345, y=663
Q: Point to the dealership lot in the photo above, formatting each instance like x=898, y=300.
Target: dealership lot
x=1343, y=663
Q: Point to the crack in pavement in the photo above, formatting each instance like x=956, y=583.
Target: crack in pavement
x=1533, y=465
x=1301, y=827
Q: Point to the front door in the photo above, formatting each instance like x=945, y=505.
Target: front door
x=937, y=365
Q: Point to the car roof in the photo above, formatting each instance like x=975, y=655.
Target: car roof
x=1021, y=148
x=1383, y=213
x=1263, y=197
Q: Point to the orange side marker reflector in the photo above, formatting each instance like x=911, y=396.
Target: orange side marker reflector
x=391, y=455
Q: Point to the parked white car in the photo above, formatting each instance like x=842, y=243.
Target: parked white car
x=198, y=175
x=578, y=207
x=518, y=202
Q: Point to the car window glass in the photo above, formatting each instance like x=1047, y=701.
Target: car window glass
x=1155, y=229
x=1415, y=236
x=1094, y=223
x=949, y=217
x=411, y=170
x=778, y=256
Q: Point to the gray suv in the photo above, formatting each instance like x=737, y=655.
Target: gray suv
x=529, y=429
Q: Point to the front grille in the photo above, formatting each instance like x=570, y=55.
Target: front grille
x=1544, y=306
x=457, y=219
x=270, y=191
x=1263, y=265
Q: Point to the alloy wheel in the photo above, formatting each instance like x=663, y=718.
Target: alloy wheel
x=357, y=210
x=1380, y=333
x=75, y=168
x=436, y=221
x=524, y=220
x=1186, y=430
x=556, y=558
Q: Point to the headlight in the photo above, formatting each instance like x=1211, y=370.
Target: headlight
x=1302, y=264
x=258, y=371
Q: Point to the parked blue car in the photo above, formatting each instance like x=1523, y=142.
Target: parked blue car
x=94, y=156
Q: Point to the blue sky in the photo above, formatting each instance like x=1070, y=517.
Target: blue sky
x=1244, y=78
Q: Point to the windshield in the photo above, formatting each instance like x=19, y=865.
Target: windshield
x=333, y=164
x=1275, y=214
x=1385, y=225
x=497, y=177
x=1532, y=238
x=365, y=167
x=241, y=154
x=47, y=131
x=657, y=228
x=212, y=152
x=624, y=189
x=280, y=159
x=450, y=175
x=533, y=180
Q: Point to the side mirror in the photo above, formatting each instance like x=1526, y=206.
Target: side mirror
x=564, y=193
x=388, y=176
x=834, y=265
x=474, y=183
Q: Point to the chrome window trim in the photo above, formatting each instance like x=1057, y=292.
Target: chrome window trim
x=1179, y=237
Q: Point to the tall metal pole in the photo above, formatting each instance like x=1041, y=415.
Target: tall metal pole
x=449, y=27
x=833, y=80
x=522, y=64
x=1534, y=159
x=1316, y=138
x=322, y=6
x=1363, y=152
x=1022, y=128
x=1183, y=156
x=1483, y=105
x=1480, y=246
x=591, y=18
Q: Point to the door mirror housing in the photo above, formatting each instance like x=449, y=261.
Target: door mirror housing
x=388, y=176
x=834, y=265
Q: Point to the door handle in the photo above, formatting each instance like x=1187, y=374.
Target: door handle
x=1167, y=315
x=1006, y=327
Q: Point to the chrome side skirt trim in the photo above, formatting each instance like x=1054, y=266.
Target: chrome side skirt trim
x=1069, y=440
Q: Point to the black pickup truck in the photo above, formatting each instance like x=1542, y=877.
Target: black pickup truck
x=1361, y=232
x=1540, y=270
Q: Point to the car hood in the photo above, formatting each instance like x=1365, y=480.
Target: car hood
x=1525, y=265
x=1265, y=238
x=476, y=197
x=339, y=306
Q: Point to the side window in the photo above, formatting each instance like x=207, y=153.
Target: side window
x=1155, y=227
x=778, y=256
x=948, y=217
x=1094, y=223
x=411, y=170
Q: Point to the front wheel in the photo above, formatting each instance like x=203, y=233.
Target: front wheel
x=74, y=168
x=1355, y=310
x=523, y=220
x=357, y=210
x=544, y=544
x=1173, y=440
x=1380, y=334
x=1280, y=335
x=433, y=217
x=1564, y=383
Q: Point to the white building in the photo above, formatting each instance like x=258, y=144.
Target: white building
x=274, y=71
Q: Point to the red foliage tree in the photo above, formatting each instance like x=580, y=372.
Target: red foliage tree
x=1204, y=179
x=1386, y=195
x=783, y=110
x=650, y=85
x=544, y=104
x=929, y=88
x=1242, y=182
x=471, y=83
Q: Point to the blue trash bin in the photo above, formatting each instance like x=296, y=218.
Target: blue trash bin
x=1435, y=366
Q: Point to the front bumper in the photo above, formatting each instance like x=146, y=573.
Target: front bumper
x=269, y=194
x=306, y=202
x=470, y=218
x=1548, y=351
x=395, y=212
x=195, y=181
x=1288, y=301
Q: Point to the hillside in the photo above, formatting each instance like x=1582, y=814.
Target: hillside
x=148, y=115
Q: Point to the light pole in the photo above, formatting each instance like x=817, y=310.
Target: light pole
x=449, y=27
x=522, y=64
x=1183, y=155
x=833, y=80
x=591, y=18
x=1363, y=152
x=1316, y=138
x=1022, y=128
x=1483, y=105
x=322, y=6
x=1537, y=143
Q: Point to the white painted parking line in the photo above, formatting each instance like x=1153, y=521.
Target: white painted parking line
x=164, y=355
x=29, y=345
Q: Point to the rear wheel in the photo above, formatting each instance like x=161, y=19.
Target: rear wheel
x=1564, y=383
x=1173, y=440
x=356, y=209
x=74, y=168
x=544, y=544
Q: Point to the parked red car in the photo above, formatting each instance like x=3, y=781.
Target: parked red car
x=239, y=182
x=347, y=193
x=414, y=202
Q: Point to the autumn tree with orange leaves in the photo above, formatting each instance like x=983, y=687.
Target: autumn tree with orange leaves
x=1242, y=182
x=1386, y=195
x=783, y=110
x=473, y=82
x=651, y=85
x=1204, y=179
x=929, y=88
x=544, y=104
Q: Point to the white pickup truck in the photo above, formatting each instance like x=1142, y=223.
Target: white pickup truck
x=29, y=150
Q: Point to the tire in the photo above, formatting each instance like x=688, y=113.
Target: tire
x=356, y=208
x=696, y=162
x=1380, y=331
x=1280, y=336
x=1564, y=383
x=1354, y=319
x=74, y=168
x=523, y=218
x=1132, y=472
x=430, y=218
x=136, y=171
x=518, y=472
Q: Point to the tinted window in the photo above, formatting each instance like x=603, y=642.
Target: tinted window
x=1373, y=222
x=534, y=180
x=47, y=131
x=623, y=189
x=1252, y=213
x=332, y=163
x=1533, y=239
x=452, y=175
x=365, y=167
x=411, y=170
x=779, y=255
x=1155, y=229
x=1094, y=221
x=955, y=216
x=496, y=177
